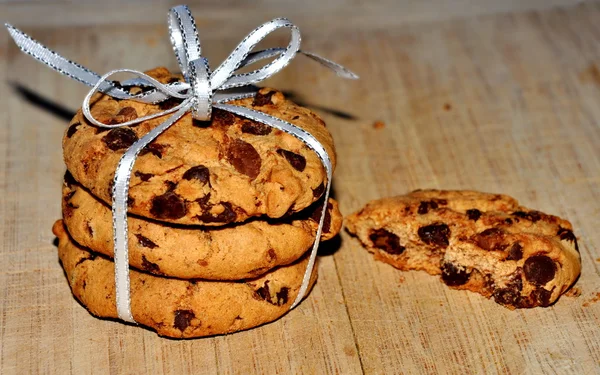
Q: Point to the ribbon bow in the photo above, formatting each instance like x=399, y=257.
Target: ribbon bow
x=201, y=91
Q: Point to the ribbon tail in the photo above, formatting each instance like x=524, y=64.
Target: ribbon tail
x=340, y=70
x=120, y=195
x=62, y=65
x=337, y=68
x=314, y=145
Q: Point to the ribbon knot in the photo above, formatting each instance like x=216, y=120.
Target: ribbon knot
x=201, y=91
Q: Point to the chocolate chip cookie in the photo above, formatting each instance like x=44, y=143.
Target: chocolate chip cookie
x=181, y=308
x=217, y=253
x=212, y=173
x=485, y=243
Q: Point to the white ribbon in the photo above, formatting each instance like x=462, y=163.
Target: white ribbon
x=201, y=91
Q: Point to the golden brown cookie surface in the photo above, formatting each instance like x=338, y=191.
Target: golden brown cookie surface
x=217, y=253
x=213, y=173
x=482, y=242
x=181, y=308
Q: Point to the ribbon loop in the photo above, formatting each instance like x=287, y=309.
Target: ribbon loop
x=184, y=37
x=223, y=77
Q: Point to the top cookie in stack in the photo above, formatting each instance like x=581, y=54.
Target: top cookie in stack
x=224, y=200
x=208, y=173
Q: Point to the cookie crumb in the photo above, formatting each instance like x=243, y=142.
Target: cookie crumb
x=594, y=299
x=378, y=125
x=401, y=280
x=598, y=260
x=573, y=292
x=447, y=107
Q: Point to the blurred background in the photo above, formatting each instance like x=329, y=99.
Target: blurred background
x=321, y=13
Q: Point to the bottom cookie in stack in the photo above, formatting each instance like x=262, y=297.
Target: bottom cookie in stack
x=177, y=307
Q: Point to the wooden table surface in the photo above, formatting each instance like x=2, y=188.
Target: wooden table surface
x=499, y=102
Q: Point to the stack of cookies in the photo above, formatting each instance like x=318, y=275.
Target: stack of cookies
x=222, y=213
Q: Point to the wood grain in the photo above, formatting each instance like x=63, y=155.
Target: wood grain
x=500, y=102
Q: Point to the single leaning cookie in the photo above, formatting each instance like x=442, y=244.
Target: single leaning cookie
x=181, y=308
x=212, y=173
x=218, y=253
x=482, y=242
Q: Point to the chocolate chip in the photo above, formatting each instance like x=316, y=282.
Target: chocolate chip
x=327, y=219
x=72, y=129
x=510, y=295
x=386, y=241
x=130, y=201
x=515, y=252
x=69, y=179
x=149, y=266
x=168, y=206
x=295, y=117
x=183, y=318
x=319, y=190
x=567, y=234
x=255, y=128
x=146, y=242
x=507, y=296
x=491, y=239
x=262, y=99
x=316, y=216
x=126, y=114
x=198, y=172
x=454, y=276
x=541, y=296
x=282, y=296
x=155, y=149
x=244, y=158
x=120, y=138
x=222, y=118
x=539, y=269
x=296, y=160
x=263, y=292
x=473, y=214
x=143, y=176
x=170, y=103
x=271, y=255
x=170, y=185
x=425, y=206
x=203, y=202
x=435, y=234
x=228, y=215
x=532, y=216
x=508, y=221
